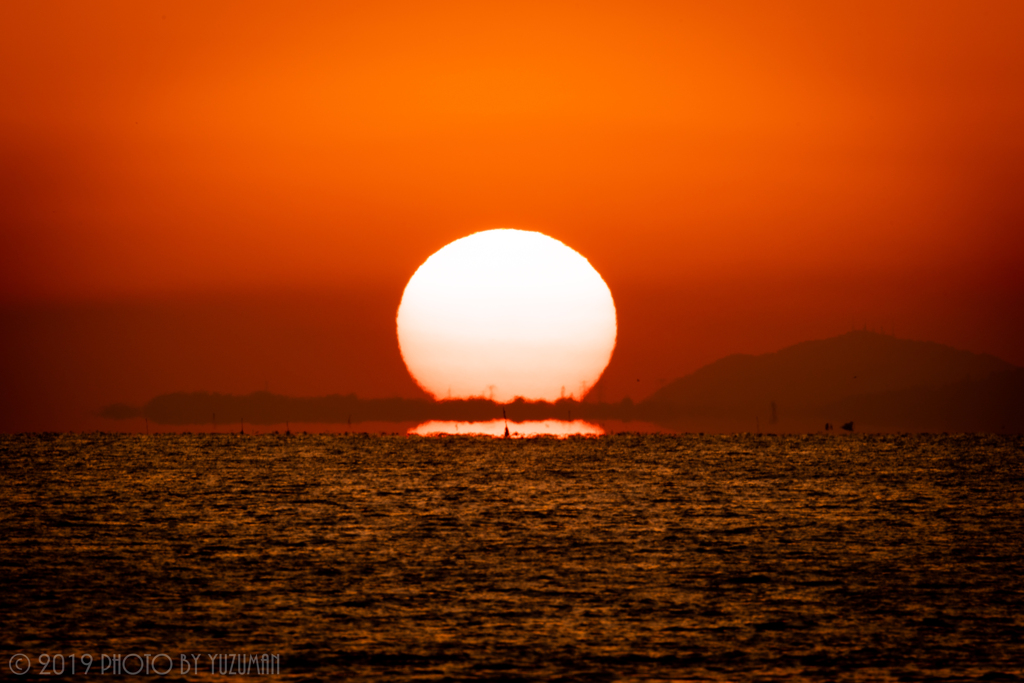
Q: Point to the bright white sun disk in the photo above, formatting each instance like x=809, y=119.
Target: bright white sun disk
x=503, y=314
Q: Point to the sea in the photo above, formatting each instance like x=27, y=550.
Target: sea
x=625, y=557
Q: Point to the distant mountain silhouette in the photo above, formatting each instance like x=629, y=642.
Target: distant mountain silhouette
x=994, y=404
x=878, y=382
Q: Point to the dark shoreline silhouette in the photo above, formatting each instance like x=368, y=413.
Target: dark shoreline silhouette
x=878, y=382
x=263, y=408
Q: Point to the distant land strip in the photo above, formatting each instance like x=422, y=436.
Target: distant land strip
x=265, y=408
x=876, y=382
x=992, y=405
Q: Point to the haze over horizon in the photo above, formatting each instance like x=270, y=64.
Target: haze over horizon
x=232, y=198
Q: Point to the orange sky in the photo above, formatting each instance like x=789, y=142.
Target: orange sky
x=232, y=197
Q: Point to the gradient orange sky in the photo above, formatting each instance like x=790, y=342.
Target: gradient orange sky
x=232, y=196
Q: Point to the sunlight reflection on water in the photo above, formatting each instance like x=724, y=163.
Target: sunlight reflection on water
x=518, y=429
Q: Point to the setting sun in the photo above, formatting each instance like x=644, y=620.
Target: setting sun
x=502, y=314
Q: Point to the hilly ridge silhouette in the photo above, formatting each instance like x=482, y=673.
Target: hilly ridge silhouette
x=877, y=380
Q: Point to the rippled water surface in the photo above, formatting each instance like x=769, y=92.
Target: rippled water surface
x=617, y=558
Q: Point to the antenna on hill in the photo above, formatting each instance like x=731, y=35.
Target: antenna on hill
x=505, y=417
